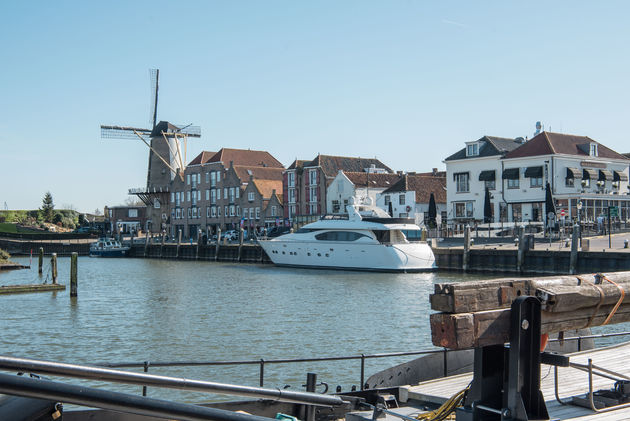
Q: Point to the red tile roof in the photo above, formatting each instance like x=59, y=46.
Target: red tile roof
x=266, y=187
x=202, y=158
x=547, y=143
x=246, y=157
x=331, y=165
x=423, y=186
x=259, y=173
x=360, y=179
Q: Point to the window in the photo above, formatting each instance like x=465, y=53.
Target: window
x=245, y=213
x=207, y=177
x=133, y=213
x=208, y=211
x=339, y=236
x=213, y=196
x=250, y=196
x=219, y=211
x=225, y=192
x=461, y=182
x=232, y=210
x=513, y=183
x=251, y=213
x=188, y=195
x=189, y=212
x=225, y=213
x=213, y=211
x=463, y=209
x=313, y=209
x=535, y=182
x=401, y=199
x=313, y=195
x=257, y=213
x=199, y=178
x=312, y=177
x=273, y=211
x=156, y=203
x=179, y=213
x=387, y=200
x=231, y=194
x=237, y=192
x=517, y=212
x=218, y=176
x=238, y=211
x=292, y=211
x=218, y=194
x=569, y=182
x=207, y=194
x=172, y=197
x=291, y=179
x=213, y=179
x=194, y=212
x=472, y=149
x=198, y=194
x=593, y=149
x=336, y=207
x=188, y=179
x=490, y=184
x=291, y=195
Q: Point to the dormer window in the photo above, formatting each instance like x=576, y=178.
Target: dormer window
x=472, y=149
x=593, y=149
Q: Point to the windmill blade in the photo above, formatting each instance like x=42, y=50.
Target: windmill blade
x=122, y=132
x=156, y=153
x=189, y=129
x=154, y=78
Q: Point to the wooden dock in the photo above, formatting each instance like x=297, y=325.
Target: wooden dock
x=21, y=289
x=571, y=382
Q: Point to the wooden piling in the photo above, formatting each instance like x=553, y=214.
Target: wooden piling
x=240, y=245
x=40, y=264
x=146, y=243
x=466, y=248
x=53, y=267
x=179, y=242
x=216, y=250
x=198, y=244
x=575, y=237
x=162, y=244
x=73, y=273
x=522, y=244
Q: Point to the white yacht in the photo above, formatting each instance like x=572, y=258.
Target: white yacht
x=366, y=239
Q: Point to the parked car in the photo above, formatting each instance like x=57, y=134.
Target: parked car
x=277, y=231
x=231, y=235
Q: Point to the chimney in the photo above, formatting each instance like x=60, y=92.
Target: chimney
x=435, y=171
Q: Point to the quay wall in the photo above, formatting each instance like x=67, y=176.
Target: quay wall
x=247, y=253
x=489, y=260
x=62, y=248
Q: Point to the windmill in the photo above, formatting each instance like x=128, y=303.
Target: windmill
x=167, y=153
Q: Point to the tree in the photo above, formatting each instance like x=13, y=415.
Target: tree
x=47, y=209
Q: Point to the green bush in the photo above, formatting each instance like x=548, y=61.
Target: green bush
x=4, y=255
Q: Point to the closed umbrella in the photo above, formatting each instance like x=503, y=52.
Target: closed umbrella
x=390, y=210
x=549, y=206
x=487, y=207
x=432, y=211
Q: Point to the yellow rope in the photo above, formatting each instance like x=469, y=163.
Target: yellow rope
x=447, y=408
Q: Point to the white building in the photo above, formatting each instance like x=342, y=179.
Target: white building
x=360, y=185
x=577, y=168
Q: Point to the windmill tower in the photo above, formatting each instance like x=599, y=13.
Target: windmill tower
x=167, y=157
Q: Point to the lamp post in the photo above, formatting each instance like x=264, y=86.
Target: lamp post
x=579, y=211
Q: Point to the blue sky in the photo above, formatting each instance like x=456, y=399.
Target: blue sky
x=405, y=81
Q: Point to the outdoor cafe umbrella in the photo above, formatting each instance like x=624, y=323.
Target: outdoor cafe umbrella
x=487, y=207
x=432, y=210
x=549, y=206
x=390, y=210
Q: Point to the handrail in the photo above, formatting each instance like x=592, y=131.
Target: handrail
x=96, y=373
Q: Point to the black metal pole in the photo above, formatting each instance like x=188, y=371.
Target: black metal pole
x=115, y=401
x=609, y=241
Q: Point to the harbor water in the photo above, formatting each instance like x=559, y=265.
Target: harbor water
x=136, y=310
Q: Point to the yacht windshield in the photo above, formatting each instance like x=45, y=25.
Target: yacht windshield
x=340, y=236
x=390, y=236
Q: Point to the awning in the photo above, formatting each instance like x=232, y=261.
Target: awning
x=619, y=176
x=605, y=175
x=487, y=175
x=511, y=173
x=534, y=172
x=589, y=174
x=574, y=173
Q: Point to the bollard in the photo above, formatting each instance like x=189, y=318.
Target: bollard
x=73, y=273
x=179, y=242
x=625, y=243
x=466, y=248
x=53, y=267
x=216, y=249
x=520, y=256
x=41, y=261
x=575, y=237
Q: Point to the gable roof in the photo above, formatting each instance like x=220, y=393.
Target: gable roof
x=298, y=163
x=491, y=146
x=423, y=186
x=259, y=173
x=376, y=180
x=202, y=158
x=246, y=157
x=266, y=187
x=331, y=165
x=548, y=143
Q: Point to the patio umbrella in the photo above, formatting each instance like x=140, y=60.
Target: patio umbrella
x=549, y=206
x=432, y=211
x=390, y=210
x=487, y=207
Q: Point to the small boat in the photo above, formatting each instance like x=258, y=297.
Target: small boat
x=368, y=239
x=108, y=247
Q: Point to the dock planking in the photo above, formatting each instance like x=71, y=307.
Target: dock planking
x=21, y=289
x=572, y=382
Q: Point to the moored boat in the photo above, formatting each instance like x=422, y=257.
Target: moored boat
x=108, y=247
x=366, y=239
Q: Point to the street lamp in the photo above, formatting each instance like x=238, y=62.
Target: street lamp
x=579, y=211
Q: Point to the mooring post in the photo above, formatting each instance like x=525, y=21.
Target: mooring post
x=240, y=244
x=216, y=249
x=162, y=243
x=73, y=273
x=198, y=243
x=311, y=385
x=522, y=244
x=179, y=242
x=53, y=267
x=40, y=264
x=466, y=248
x=146, y=243
x=575, y=237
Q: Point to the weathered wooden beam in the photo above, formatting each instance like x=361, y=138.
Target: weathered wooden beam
x=492, y=327
x=467, y=297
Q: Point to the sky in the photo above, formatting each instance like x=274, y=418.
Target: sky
x=407, y=82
